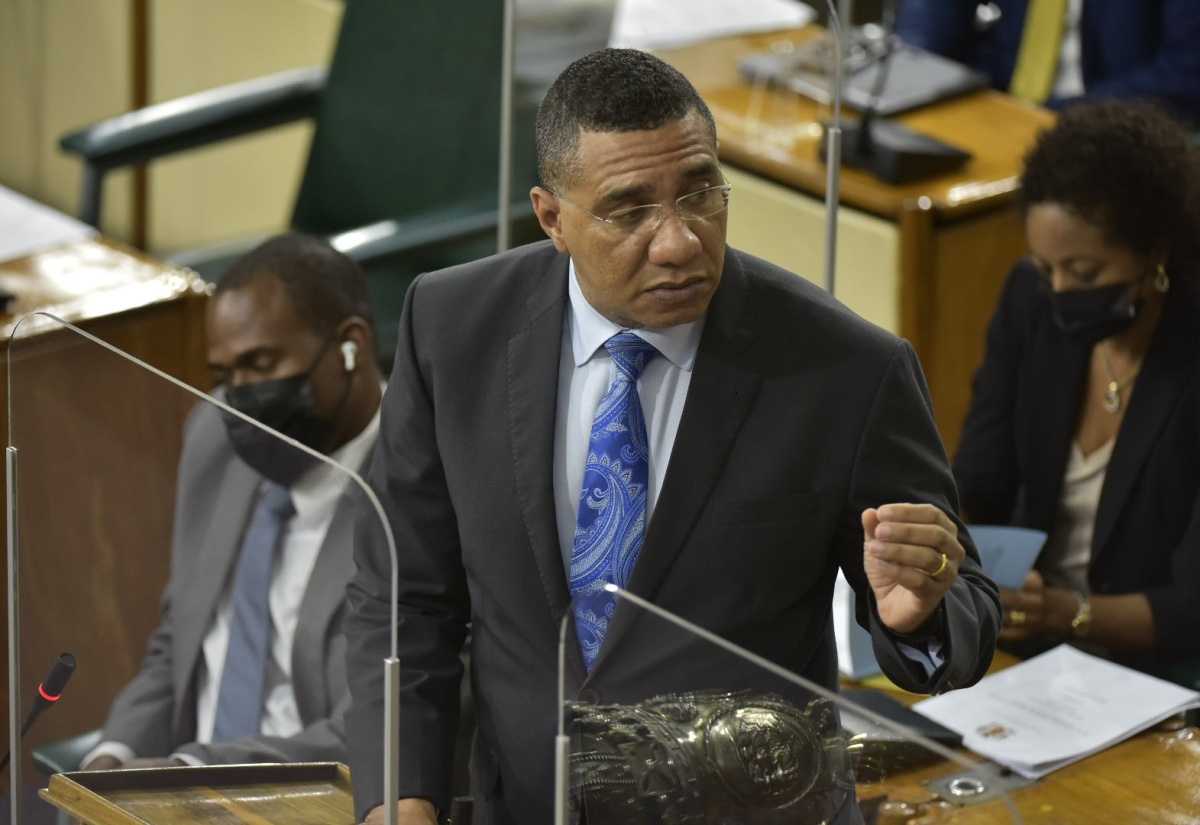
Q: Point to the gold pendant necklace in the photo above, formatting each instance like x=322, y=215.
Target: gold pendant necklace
x=1112, y=396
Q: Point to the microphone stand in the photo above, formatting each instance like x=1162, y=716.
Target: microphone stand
x=504, y=207
x=891, y=152
x=14, y=636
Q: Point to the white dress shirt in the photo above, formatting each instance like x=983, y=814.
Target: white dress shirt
x=1068, y=79
x=585, y=372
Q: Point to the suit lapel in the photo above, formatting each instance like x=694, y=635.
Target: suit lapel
x=720, y=395
x=534, y=354
x=324, y=596
x=1168, y=369
x=195, y=600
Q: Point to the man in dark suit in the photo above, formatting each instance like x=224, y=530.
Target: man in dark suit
x=1148, y=49
x=290, y=343
x=779, y=427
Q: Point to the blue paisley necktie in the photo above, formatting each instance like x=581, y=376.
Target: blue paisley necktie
x=612, y=505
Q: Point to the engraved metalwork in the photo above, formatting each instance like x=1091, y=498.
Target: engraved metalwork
x=735, y=758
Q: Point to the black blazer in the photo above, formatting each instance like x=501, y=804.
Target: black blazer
x=799, y=416
x=1017, y=439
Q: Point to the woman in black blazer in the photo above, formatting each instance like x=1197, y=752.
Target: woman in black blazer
x=1085, y=419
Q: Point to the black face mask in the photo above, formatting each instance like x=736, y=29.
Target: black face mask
x=286, y=405
x=1088, y=316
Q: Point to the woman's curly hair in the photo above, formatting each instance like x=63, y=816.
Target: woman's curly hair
x=1128, y=168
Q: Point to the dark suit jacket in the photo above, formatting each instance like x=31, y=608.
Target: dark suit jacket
x=799, y=416
x=155, y=713
x=1017, y=438
x=1130, y=48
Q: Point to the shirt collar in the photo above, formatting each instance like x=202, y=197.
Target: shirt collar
x=590, y=329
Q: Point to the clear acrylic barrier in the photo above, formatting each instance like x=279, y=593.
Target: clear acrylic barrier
x=674, y=724
x=94, y=460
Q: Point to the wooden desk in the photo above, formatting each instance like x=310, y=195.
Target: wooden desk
x=1153, y=777
x=925, y=260
x=314, y=793
x=81, y=564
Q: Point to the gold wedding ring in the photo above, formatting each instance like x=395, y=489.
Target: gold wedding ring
x=941, y=568
x=1016, y=617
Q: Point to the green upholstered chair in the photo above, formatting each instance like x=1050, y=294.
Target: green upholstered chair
x=403, y=167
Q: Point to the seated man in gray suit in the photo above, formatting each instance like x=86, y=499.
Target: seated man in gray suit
x=526, y=460
x=247, y=662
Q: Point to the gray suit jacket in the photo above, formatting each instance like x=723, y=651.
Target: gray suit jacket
x=155, y=713
x=799, y=416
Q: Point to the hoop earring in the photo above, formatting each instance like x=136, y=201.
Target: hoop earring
x=1161, y=281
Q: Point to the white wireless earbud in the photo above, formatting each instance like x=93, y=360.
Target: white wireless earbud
x=349, y=355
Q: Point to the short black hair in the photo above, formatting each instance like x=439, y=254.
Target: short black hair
x=612, y=90
x=1126, y=167
x=325, y=286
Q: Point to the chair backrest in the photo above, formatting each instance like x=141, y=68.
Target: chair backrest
x=409, y=118
x=409, y=122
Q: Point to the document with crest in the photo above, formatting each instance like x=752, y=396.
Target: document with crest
x=1055, y=708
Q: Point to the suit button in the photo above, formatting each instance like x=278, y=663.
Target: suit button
x=589, y=696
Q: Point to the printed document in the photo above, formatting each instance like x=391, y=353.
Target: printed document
x=1055, y=709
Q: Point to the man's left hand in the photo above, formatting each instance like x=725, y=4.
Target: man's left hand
x=911, y=554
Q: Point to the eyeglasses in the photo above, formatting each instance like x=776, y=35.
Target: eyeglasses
x=648, y=218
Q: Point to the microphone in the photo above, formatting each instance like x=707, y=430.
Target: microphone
x=893, y=153
x=48, y=693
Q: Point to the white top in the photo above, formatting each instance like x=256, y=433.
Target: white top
x=1069, y=548
x=315, y=496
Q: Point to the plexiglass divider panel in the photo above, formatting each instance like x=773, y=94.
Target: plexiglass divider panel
x=675, y=724
x=116, y=464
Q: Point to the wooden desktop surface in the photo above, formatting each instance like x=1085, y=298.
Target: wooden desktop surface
x=95, y=547
x=777, y=133
x=958, y=232
x=1152, y=777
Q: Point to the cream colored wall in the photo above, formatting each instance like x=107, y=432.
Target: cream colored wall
x=63, y=64
x=243, y=187
x=69, y=63
x=787, y=228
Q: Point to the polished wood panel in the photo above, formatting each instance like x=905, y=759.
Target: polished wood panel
x=1153, y=777
x=304, y=794
x=958, y=234
x=98, y=440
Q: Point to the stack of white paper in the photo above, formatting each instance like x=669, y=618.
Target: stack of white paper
x=656, y=24
x=1055, y=708
x=27, y=226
